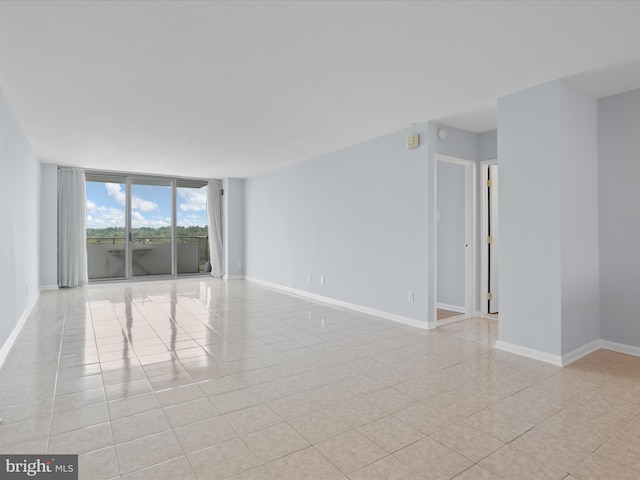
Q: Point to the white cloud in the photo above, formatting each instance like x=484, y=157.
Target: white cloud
x=138, y=221
x=143, y=205
x=103, y=217
x=191, y=220
x=115, y=190
x=192, y=199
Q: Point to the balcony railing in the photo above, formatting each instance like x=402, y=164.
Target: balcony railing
x=151, y=255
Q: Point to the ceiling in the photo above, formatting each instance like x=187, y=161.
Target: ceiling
x=232, y=89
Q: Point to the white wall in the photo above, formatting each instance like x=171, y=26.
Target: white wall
x=548, y=220
x=48, y=226
x=20, y=220
x=356, y=216
x=619, y=213
x=234, y=238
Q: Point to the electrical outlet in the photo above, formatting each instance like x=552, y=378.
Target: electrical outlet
x=412, y=296
x=309, y=278
x=322, y=279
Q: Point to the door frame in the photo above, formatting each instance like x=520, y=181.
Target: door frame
x=470, y=233
x=484, y=229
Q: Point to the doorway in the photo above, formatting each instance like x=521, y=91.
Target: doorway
x=454, y=238
x=489, y=291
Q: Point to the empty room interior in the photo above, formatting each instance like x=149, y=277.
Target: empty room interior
x=335, y=240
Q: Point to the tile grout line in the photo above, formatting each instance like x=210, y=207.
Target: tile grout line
x=55, y=385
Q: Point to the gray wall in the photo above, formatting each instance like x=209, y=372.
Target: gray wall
x=356, y=216
x=19, y=217
x=451, y=234
x=579, y=218
x=548, y=219
x=49, y=226
x=488, y=145
x=233, y=206
x=619, y=213
x=459, y=143
x=530, y=220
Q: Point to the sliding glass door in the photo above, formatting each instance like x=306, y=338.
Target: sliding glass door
x=145, y=226
x=151, y=227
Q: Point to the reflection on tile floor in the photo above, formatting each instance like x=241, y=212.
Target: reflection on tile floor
x=206, y=379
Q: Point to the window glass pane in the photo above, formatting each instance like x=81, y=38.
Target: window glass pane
x=150, y=227
x=192, y=230
x=105, y=227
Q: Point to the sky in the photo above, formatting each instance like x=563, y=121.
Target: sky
x=151, y=205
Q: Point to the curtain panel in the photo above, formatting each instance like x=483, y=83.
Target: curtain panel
x=214, y=216
x=72, y=230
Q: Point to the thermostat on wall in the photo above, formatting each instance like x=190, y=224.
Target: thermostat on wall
x=413, y=141
x=442, y=134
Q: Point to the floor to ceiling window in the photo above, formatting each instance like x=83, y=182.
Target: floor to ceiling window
x=145, y=226
x=106, y=221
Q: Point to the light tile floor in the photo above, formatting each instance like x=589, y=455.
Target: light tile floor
x=205, y=379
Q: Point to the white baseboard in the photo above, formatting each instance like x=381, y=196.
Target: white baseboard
x=559, y=360
x=620, y=348
x=351, y=306
x=450, y=320
x=453, y=308
x=530, y=353
x=4, y=351
x=48, y=287
x=578, y=353
x=233, y=277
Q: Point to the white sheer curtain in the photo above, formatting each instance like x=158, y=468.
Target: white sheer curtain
x=72, y=231
x=214, y=216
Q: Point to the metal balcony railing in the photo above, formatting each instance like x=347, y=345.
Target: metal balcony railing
x=98, y=247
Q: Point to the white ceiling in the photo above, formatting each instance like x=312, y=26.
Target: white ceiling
x=218, y=89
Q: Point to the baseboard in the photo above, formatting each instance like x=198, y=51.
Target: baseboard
x=450, y=320
x=529, y=353
x=4, y=351
x=452, y=308
x=233, y=277
x=620, y=348
x=580, y=352
x=48, y=287
x=559, y=360
x=351, y=306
